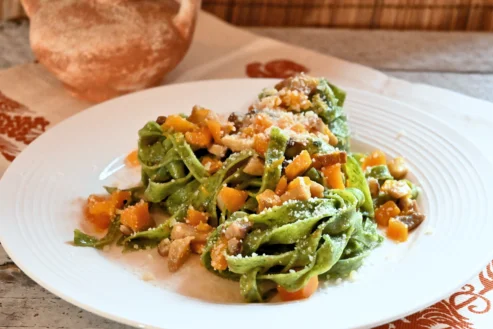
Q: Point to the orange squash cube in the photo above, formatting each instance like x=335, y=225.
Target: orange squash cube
x=267, y=199
x=231, y=199
x=282, y=186
x=211, y=164
x=295, y=183
x=333, y=176
x=260, y=144
x=215, y=129
x=132, y=159
x=201, y=138
x=386, y=211
x=261, y=123
x=137, y=217
x=299, y=165
x=298, y=128
x=100, y=210
x=179, y=124
x=305, y=292
x=376, y=158
x=248, y=131
x=218, y=255
x=397, y=230
x=195, y=217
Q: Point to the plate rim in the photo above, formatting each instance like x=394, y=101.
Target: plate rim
x=265, y=81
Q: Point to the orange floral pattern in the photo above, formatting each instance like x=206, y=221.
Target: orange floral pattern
x=279, y=68
x=451, y=312
x=17, y=127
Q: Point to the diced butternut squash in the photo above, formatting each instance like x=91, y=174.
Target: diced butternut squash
x=211, y=164
x=261, y=123
x=218, y=255
x=203, y=227
x=119, y=198
x=201, y=138
x=254, y=167
x=132, y=159
x=215, y=129
x=376, y=158
x=282, y=186
x=386, y=211
x=267, y=199
x=295, y=183
x=299, y=165
x=199, y=115
x=177, y=123
x=260, y=144
x=248, y=131
x=333, y=176
x=397, y=230
x=298, y=128
x=137, y=217
x=100, y=210
x=316, y=190
x=303, y=293
x=324, y=160
x=198, y=247
x=231, y=199
x=332, y=138
x=195, y=217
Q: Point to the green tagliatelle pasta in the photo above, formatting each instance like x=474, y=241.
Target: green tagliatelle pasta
x=272, y=198
x=317, y=237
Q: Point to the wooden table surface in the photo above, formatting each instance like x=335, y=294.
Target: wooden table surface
x=461, y=62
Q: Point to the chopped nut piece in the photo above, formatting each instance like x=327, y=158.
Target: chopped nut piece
x=179, y=250
x=234, y=246
x=323, y=160
x=254, y=167
x=299, y=192
x=408, y=205
x=182, y=230
x=218, y=150
x=316, y=190
x=396, y=189
x=412, y=220
x=398, y=168
x=237, y=229
x=163, y=247
x=236, y=144
x=126, y=230
x=374, y=187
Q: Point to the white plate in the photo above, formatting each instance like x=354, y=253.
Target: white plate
x=39, y=210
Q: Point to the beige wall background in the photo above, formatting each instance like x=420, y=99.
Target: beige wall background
x=452, y=15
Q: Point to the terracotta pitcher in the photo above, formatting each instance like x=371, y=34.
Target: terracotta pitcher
x=101, y=49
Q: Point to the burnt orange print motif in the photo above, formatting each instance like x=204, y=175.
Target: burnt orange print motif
x=17, y=127
x=452, y=312
x=279, y=68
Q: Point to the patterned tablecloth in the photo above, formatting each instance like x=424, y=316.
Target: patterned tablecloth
x=37, y=101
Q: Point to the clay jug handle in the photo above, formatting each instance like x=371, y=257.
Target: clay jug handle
x=185, y=18
x=31, y=6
